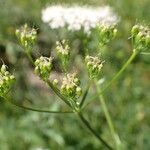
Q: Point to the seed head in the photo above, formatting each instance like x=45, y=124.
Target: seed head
x=63, y=51
x=94, y=66
x=141, y=37
x=6, y=80
x=26, y=36
x=106, y=33
x=71, y=86
x=43, y=66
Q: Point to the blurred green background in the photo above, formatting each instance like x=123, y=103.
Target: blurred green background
x=127, y=99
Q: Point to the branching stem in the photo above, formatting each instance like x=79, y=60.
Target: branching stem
x=30, y=57
x=87, y=124
x=35, y=109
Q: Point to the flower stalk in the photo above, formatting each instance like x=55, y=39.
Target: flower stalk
x=117, y=75
x=108, y=117
x=35, y=109
x=87, y=124
x=85, y=94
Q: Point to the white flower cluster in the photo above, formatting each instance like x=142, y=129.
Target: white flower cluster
x=76, y=18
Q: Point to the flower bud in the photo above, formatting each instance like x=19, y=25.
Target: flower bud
x=43, y=66
x=63, y=89
x=135, y=29
x=17, y=32
x=115, y=32
x=55, y=82
x=140, y=35
x=6, y=73
x=37, y=62
x=3, y=69
x=78, y=91
x=94, y=65
x=12, y=77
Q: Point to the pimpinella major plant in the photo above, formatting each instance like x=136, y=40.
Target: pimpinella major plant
x=69, y=89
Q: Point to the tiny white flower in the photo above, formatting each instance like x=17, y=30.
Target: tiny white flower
x=77, y=17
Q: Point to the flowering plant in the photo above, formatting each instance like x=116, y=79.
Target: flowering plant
x=69, y=89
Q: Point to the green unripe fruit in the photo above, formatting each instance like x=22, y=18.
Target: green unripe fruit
x=78, y=91
x=63, y=90
x=33, y=38
x=89, y=64
x=55, y=82
x=25, y=43
x=17, y=32
x=1, y=82
x=37, y=62
x=140, y=35
x=135, y=30
x=3, y=69
x=12, y=77
x=6, y=78
x=76, y=80
x=69, y=88
x=87, y=57
x=6, y=73
x=115, y=32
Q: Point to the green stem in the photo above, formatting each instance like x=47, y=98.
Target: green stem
x=39, y=110
x=85, y=94
x=34, y=109
x=87, y=124
x=30, y=57
x=121, y=70
x=57, y=92
x=89, y=102
x=108, y=118
x=145, y=53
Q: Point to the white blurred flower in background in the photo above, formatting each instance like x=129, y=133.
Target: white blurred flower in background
x=78, y=17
